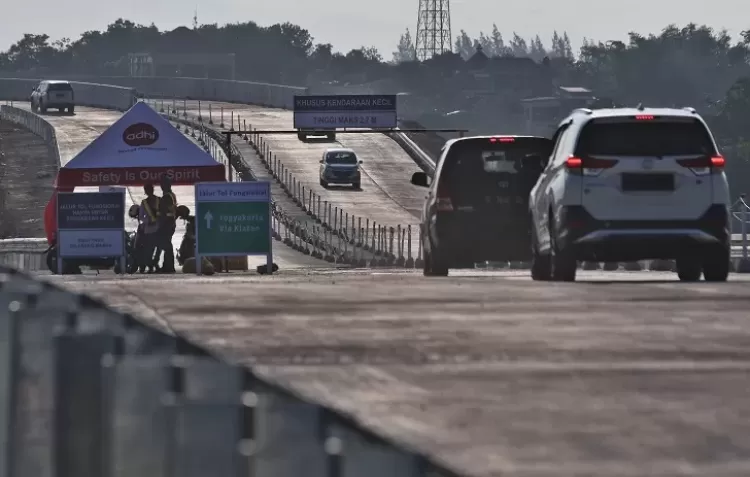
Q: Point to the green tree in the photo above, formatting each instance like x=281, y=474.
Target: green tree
x=31, y=51
x=498, y=44
x=537, y=52
x=464, y=45
x=518, y=46
x=405, y=49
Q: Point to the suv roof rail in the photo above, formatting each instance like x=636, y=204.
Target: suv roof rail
x=690, y=109
x=583, y=110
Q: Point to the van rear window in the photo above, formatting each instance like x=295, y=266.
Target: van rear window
x=645, y=138
x=479, y=170
x=59, y=87
x=483, y=156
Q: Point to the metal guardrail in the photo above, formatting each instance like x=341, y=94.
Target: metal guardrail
x=86, y=391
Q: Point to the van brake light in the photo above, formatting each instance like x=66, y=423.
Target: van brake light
x=502, y=139
x=443, y=201
x=701, y=166
x=644, y=117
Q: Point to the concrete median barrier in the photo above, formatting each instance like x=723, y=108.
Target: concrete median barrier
x=95, y=95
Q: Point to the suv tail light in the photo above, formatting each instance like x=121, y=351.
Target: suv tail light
x=590, y=167
x=702, y=166
x=443, y=201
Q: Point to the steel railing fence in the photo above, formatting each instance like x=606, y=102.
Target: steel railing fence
x=741, y=218
x=86, y=391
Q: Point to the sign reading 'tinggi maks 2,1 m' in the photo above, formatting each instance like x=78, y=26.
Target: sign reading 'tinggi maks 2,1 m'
x=91, y=224
x=233, y=219
x=375, y=111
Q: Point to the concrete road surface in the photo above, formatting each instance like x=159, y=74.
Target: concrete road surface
x=387, y=196
x=619, y=374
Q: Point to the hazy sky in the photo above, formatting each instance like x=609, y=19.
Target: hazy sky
x=349, y=24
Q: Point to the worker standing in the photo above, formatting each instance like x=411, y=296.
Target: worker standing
x=167, y=224
x=149, y=229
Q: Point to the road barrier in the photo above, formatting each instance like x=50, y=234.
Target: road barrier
x=87, y=391
x=95, y=95
x=34, y=123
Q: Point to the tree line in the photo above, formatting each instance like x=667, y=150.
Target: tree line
x=693, y=65
x=494, y=45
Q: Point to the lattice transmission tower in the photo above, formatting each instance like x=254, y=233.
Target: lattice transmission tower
x=433, y=29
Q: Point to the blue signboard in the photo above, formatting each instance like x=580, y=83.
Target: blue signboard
x=375, y=111
x=91, y=224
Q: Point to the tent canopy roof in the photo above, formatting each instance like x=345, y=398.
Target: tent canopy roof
x=141, y=138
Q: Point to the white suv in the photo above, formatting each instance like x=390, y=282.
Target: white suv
x=53, y=94
x=632, y=184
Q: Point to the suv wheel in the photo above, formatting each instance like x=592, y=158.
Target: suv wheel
x=434, y=264
x=562, y=262
x=540, y=264
x=323, y=184
x=688, y=270
x=716, y=265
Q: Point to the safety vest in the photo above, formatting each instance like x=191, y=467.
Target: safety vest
x=172, y=210
x=152, y=214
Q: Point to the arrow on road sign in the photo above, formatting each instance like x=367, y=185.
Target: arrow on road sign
x=208, y=218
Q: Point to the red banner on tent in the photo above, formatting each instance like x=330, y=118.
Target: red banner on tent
x=135, y=176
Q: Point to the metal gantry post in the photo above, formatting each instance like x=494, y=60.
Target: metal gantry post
x=743, y=225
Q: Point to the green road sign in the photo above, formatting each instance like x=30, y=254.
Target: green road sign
x=233, y=219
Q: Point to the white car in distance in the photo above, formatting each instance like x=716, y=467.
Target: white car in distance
x=340, y=166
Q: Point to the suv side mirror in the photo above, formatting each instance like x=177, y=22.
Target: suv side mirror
x=361, y=161
x=420, y=179
x=322, y=161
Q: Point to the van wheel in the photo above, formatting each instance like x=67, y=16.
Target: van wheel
x=331, y=136
x=72, y=110
x=716, y=266
x=688, y=270
x=434, y=265
x=562, y=262
x=323, y=184
x=540, y=264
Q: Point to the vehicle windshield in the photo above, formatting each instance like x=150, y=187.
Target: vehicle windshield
x=645, y=138
x=343, y=157
x=59, y=87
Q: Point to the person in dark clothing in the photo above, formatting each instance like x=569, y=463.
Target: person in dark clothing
x=167, y=224
x=149, y=229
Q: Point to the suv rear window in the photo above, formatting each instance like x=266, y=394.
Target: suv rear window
x=658, y=137
x=59, y=87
